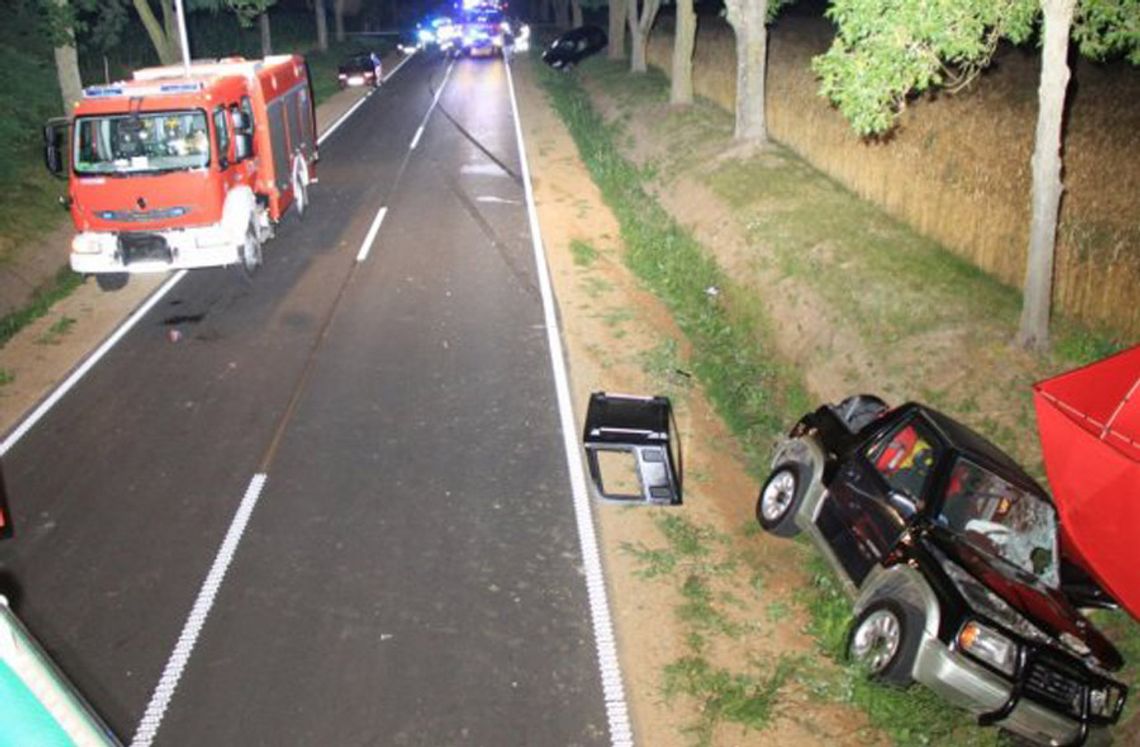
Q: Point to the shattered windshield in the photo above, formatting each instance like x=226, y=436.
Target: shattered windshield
x=1002, y=520
x=148, y=142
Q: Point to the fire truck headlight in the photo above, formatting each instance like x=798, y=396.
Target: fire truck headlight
x=84, y=243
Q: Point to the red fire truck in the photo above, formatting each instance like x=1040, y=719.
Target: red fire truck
x=175, y=169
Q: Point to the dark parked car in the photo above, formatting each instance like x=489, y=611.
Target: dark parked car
x=360, y=70
x=574, y=46
x=951, y=553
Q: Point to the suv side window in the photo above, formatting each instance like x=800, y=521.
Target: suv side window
x=905, y=456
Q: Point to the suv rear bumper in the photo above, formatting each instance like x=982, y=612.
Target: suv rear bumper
x=971, y=686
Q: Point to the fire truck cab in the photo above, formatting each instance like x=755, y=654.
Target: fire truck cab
x=177, y=169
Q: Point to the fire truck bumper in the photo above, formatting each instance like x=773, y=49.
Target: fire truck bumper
x=160, y=251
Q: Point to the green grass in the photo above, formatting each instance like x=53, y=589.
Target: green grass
x=902, y=284
x=744, y=698
x=6, y=377
x=694, y=557
x=63, y=284
x=664, y=366
x=55, y=333
x=583, y=253
x=596, y=287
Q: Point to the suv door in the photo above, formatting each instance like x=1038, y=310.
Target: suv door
x=877, y=491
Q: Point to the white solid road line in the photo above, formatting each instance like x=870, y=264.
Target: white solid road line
x=57, y=394
x=617, y=711
x=88, y=363
x=367, y=245
x=176, y=664
x=434, y=101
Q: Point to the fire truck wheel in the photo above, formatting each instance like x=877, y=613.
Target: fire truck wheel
x=250, y=251
x=300, y=186
x=111, y=281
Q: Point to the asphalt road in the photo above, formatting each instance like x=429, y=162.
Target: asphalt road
x=409, y=572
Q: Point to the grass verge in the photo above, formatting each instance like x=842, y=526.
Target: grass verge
x=62, y=285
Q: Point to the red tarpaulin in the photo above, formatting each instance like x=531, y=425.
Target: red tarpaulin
x=1089, y=421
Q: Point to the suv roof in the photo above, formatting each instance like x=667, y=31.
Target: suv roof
x=961, y=438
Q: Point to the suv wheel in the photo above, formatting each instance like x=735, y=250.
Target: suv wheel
x=780, y=499
x=884, y=639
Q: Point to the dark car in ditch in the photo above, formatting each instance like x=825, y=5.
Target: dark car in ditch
x=951, y=554
x=574, y=46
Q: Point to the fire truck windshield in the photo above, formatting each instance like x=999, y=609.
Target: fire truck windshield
x=141, y=143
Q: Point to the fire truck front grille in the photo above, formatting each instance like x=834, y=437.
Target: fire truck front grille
x=143, y=247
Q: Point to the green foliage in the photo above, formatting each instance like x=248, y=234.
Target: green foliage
x=1103, y=28
x=886, y=50
x=6, y=377
x=31, y=96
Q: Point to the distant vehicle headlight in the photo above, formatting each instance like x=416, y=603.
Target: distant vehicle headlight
x=986, y=644
x=425, y=36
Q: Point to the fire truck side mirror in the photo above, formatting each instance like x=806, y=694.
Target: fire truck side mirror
x=243, y=146
x=240, y=121
x=54, y=132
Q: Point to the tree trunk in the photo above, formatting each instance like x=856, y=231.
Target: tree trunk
x=684, y=38
x=639, y=32
x=1033, y=331
x=170, y=24
x=338, y=19
x=575, y=13
x=561, y=13
x=166, y=48
x=266, y=37
x=322, y=25
x=636, y=41
x=617, y=29
x=749, y=21
x=67, y=68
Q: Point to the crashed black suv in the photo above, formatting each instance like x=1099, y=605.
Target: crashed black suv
x=951, y=554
